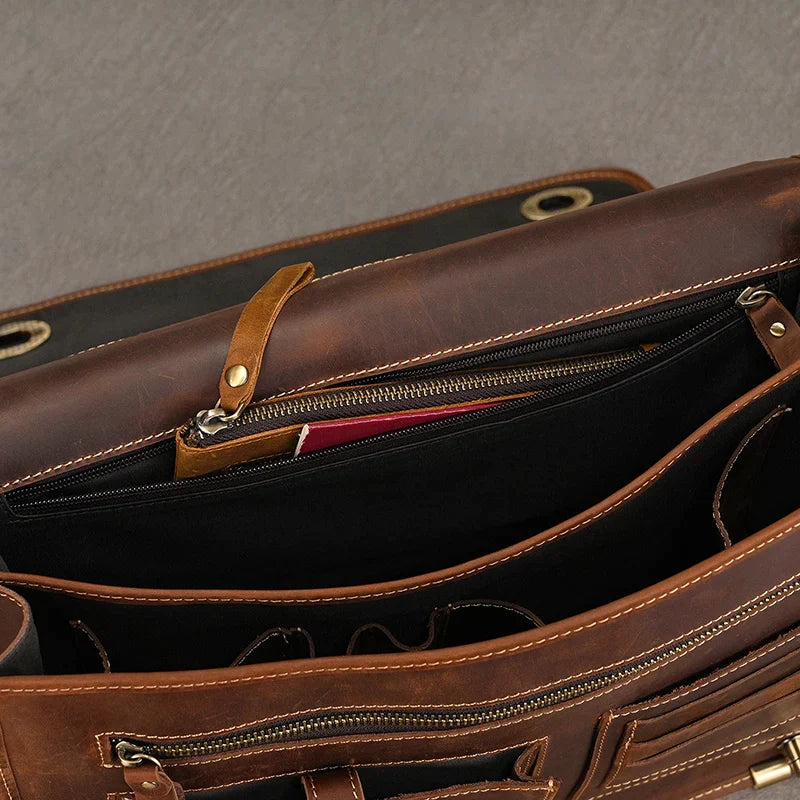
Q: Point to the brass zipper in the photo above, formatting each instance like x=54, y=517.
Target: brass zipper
x=398, y=720
x=377, y=398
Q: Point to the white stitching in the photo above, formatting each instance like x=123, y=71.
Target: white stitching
x=772, y=386
x=639, y=709
x=717, y=511
x=436, y=354
x=100, y=738
x=538, y=328
x=461, y=659
x=639, y=183
x=705, y=758
x=720, y=788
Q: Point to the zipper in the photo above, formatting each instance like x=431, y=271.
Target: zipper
x=211, y=422
x=723, y=304
x=379, y=721
x=462, y=388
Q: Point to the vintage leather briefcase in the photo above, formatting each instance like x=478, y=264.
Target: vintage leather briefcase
x=62, y=326
x=516, y=517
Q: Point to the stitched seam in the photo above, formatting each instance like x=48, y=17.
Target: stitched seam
x=426, y=357
x=719, y=788
x=313, y=787
x=480, y=730
x=620, y=760
x=444, y=662
x=595, y=761
x=5, y=783
x=705, y=758
x=448, y=578
x=623, y=175
x=639, y=709
x=352, y=783
x=717, y=513
x=539, y=328
x=305, y=773
x=521, y=788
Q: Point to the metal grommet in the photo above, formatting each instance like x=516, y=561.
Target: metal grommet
x=22, y=336
x=552, y=202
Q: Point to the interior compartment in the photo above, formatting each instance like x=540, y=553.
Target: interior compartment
x=460, y=489
x=655, y=534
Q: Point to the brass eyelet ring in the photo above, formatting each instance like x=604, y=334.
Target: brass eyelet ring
x=553, y=202
x=28, y=334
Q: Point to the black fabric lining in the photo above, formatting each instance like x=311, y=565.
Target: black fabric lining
x=655, y=534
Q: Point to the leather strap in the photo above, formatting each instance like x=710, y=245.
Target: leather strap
x=777, y=330
x=333, y=784
x=148, y=781
x=243, y=364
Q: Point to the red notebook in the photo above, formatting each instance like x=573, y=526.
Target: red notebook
x=320, y=435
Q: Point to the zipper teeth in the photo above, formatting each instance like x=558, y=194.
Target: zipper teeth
x=398, y=720
x=717, y=301
x=268, y=467
x=432, y=387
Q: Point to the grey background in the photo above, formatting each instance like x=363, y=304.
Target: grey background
x=136, y=137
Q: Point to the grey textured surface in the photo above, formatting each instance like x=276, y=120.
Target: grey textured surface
x=136, y=137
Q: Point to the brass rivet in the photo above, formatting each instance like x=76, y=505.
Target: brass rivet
x=149, y=785
x=236, y=376
x=777, y=329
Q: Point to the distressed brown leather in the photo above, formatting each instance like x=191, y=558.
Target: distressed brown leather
x=563, y=742
x=728, y=228
x=252, y=332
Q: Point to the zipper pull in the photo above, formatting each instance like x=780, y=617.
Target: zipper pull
x=773, y=323
x=145, y=775
x=243, y=364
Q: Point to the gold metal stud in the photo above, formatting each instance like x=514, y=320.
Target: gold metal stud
x=777, y=329
x=150, y=784
x=236, y=376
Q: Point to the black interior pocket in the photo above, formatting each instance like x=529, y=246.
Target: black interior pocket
x=661, y=527
x=410, y=504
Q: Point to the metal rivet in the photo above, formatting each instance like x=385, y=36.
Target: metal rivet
x=149, y=784
x=777, y=329
x=236, y=376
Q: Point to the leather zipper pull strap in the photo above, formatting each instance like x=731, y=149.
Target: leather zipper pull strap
x=243, y=364
x=333, y=784
x=773, y=323
x=148, y=781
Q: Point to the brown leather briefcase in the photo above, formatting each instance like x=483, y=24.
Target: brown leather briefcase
x=516, y=517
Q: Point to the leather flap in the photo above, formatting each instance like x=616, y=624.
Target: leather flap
x=731, y=227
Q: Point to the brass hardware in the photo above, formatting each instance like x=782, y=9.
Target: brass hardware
x=217, y=419
x=236, y=376
x=24, y=335
x=552, y=202
x=150, y=784
x=779, y=769
x=130, y=755
x=774, y=771
x=777, y=329
x=754, y=297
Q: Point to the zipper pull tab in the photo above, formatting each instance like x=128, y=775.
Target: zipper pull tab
x=243, y=364
x=145, y=775
x=773, y=323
